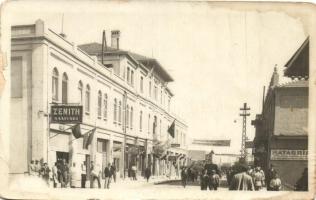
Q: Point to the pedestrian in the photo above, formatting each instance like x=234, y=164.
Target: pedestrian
x=275, y=183
x=147, y=173
x=241, y=180
x=184, y=176
x=37, y=168
x=32, y=168
x=94, y=175
x=55, y=175
x=134, y=171
x=113, y=172
x=64, y=174
x=45, y=173
x=258, y=178
x=302, y=183
x=83, y=174
x=204, y=180
x=107, y=175
x=271, y=173
x=214, y=180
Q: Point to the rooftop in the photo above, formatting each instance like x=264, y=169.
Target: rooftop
x=96, y=50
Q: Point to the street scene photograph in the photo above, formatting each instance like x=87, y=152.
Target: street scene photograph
x=156, y=100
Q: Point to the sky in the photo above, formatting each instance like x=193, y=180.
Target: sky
x=219, y=58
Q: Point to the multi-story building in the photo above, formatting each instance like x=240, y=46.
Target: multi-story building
x=126, y=99
x=281, y=138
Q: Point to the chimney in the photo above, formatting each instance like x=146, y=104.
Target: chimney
x=115, y=39
x=275, y=77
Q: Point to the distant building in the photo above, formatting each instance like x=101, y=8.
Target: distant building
x=281, y=129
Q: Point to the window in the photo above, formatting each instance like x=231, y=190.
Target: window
x=132, y=77
x=127, y=116
x=99, y=104
x=64, y=89
x=141, y=120
x=87, y=100
x=148, y=123
x=161, y=96
x=131, y=118
x=120, y=113
x=160, y=128
x=155, y=125
x=105, y=105
x=55, y=85
x=80, y=91
x=115, y=111
x=149, y=89
x=128, y=78
x=141, y=84
x=155, y=92
x=101, y=145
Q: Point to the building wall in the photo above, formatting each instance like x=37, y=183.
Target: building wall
x=291, y=114
x=55, y=53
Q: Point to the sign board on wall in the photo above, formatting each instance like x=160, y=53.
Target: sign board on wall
x=63, y=114
x=287, y=154
x=175, y=145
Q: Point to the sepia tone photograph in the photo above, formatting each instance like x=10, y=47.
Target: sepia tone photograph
x=157, y=100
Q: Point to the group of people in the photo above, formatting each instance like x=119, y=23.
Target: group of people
x=249, y=178
x=64, y=176
x=39, y=169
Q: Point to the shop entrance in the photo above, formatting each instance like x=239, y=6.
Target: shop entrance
x=61, y=156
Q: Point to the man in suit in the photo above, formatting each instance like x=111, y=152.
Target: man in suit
x=241, y=181
x=107, y=175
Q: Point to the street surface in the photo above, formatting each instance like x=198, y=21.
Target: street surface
x=127, y=189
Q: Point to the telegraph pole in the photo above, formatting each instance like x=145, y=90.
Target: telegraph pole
x=244, y=115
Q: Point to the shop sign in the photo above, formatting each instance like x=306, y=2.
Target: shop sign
x=63, y=114
x=287, y=154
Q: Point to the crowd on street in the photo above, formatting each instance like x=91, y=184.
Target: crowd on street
x=240, y=177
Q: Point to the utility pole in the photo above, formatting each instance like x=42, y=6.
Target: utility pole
x=244, y=114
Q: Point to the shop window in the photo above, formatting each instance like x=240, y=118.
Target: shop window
x=101, y=145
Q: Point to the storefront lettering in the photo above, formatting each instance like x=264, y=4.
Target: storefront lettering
x=285, y=154
x=66, y=114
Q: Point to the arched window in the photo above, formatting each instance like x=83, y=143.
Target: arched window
x=115, y=111
x=127, y=116
x=99, y=104
x=141, y=84
x=55, y=85
x=105, y=105
x=64, y=89
x=120, y=113
x=141, y=120
x=131, y=118
x=80, y=91
x=87, y=99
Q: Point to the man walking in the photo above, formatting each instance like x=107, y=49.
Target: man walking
x=55, y=174
x=204, y=180
x=241, y=181
x=95, y=175
x=258, y=178
x=107, y=175
x=214, y=180
x=147, y=173
x=83, y=174
x=184, y=176
x=113, y=172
